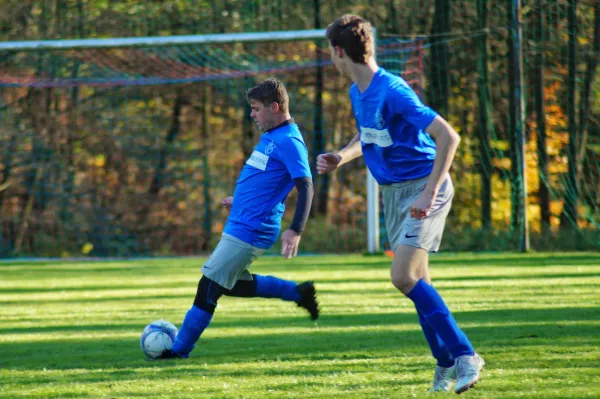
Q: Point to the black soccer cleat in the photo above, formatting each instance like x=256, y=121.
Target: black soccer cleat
x=308, y=298
x=167, y=354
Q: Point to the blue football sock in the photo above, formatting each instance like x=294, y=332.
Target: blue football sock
x=429, y=302
x=439, y=350
x=273, y=287
x=194, y=323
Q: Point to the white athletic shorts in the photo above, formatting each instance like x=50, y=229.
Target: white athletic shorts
x=230, y=261
x=402, y=229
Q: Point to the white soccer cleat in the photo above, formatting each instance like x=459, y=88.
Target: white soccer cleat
x=443, y=378
x=468, y=369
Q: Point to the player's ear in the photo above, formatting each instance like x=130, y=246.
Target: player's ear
x=274, y=107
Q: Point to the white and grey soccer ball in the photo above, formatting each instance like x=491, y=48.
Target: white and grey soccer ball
x=157, y=337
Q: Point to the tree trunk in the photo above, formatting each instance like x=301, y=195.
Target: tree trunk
x=247, y=125
x=540, y=111
x=584, y=113
x=569, y=213
x=440, y=78
x=159, y=170
x=27, y=210
x=485, y=122
x=519, y=223
x=206, y=180
x=318, y=134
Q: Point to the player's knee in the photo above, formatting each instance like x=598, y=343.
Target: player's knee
x=404, y=283
x=208, y=294
x=243, y=288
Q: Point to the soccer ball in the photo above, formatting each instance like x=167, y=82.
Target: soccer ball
x=157, y=337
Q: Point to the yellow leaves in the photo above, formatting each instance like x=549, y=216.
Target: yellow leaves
x=550, y=91
x=556, y=207
x=555, y=119
x=500, y=145
x=583, y=40
x=87, y=248
x=100, y=161
x=218, y=227
x=501, y=163
x=215, y=120
x=557, y=167
x=501, y=210
x=467, y=159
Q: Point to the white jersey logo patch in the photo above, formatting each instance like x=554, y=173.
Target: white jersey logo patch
x=378, y=137
x=379, y=120
x=269, y=148
x=258, y=160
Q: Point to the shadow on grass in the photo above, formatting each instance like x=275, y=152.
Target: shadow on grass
x=513, y=329
x=91, y=288
x=320, y=284
x=265, y=321
x=128, y=269
x=533, y=276
x=307, y=264
x=132, y=297
x=541, y=260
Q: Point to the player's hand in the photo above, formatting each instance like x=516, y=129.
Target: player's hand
x=328, y=162
x=289, y=243
x=422, y=206
x=227, y=202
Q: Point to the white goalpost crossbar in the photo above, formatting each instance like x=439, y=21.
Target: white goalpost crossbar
x=155, y=41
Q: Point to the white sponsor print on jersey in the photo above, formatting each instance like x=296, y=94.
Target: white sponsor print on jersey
x=258, y=160
x=378, y=137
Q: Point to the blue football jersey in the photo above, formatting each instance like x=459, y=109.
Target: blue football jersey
x=391, y=120
x=264, y=183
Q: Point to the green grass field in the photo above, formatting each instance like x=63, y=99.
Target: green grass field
x=71, y=330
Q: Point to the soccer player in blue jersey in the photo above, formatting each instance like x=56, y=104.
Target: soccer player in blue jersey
x=408, y=148
x=279, y=162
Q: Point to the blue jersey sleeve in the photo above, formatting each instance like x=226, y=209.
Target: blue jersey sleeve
x=403, y=100
x=293, y=153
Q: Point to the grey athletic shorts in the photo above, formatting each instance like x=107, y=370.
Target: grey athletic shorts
x=230, y=261
x=402, y=229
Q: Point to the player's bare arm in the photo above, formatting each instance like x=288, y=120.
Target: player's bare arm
x=446, y=140
x=330, y=161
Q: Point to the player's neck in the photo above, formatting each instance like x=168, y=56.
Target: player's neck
x=281, y=118
x=362, y=74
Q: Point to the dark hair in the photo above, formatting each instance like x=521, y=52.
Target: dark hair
x=354, y=35
x=270, y=91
